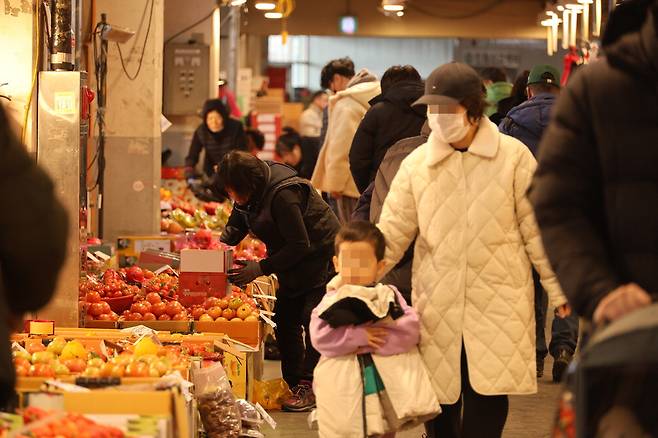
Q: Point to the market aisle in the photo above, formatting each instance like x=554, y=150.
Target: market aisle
x=530, y=416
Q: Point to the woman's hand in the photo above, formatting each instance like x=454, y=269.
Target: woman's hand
x=376, y=337
x=563, y=311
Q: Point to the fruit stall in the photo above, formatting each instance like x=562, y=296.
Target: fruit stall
x=157, y=316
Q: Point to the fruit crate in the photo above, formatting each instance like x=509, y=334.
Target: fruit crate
x=161, y=326
x=247, y=332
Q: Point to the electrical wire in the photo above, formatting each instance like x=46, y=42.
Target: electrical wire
x=35, y=72
x=483, y=9
x=141, y=57
x=196, y=23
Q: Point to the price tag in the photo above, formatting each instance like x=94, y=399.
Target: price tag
x=101, y=255
x=92, y=257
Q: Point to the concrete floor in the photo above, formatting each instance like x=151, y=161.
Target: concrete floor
x=529, y=417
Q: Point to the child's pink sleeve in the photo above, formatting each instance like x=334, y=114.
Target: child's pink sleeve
x=404, y=332
x=339, y=341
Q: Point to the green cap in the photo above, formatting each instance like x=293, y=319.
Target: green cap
x=544, y=74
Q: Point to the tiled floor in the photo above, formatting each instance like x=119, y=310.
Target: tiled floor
x=529, y=417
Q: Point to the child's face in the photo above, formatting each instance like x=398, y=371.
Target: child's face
x=357, y=264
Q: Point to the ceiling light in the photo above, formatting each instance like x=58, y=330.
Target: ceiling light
x=238, y=2
x=273, y=15
x=400, y=14
x=393, y=5
x=265, y=5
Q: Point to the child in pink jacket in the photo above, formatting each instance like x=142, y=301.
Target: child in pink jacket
x=368, y=327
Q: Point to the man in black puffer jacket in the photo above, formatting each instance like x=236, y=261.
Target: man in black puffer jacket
x=298, y=228
x=33, y=231
x=389, y=119
x=596, y=188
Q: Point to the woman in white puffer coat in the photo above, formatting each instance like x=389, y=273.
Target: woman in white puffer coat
x=462, y=196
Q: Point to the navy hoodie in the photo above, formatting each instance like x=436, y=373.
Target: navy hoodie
x=528, y=121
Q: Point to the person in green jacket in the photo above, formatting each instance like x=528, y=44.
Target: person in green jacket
x=495, y=81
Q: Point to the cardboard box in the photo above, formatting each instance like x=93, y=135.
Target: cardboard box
x=168, y=326
x=203, y=274
x=154, y=260
x=130, y=247
x=247, y=332
x=205, y=260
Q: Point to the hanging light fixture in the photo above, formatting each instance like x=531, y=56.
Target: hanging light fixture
x=586, y=18
x=566, y=24
x=263, y=5
x=273, y=15
x=393, y=5
x=238, y=2
x=598, y=12
x=575, y=9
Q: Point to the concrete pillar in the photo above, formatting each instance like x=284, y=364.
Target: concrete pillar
x=133, y=143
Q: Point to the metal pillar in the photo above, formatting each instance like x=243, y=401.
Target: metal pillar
x=234, y=48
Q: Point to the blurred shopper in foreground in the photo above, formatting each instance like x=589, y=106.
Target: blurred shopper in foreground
x=527, y=123
x=290, y=217
x=32, y=245
x=346, y=109
x=389, y=119
x=310, y=122
x=495, y=81
x=596, y=189
x=462, y=196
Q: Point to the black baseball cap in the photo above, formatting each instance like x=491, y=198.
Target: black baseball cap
x=450, y=84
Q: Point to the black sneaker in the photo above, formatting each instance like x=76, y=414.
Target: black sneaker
x=561, y=363
x=540, y=368
x=302, y=400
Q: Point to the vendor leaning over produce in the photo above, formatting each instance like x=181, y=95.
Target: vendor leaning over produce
x=218, y=134
x=298, y=228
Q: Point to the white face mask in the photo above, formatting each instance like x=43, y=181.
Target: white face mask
x=448, y=128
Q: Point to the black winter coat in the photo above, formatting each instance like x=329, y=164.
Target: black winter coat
x=232, y=137
x=295, y=224
x=595, y=192
x=33, y=232
x=390, y=118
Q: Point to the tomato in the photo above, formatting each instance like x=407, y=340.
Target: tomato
x=174, y=308
x=104, y=317
x=75, y=365
x=153, y=298
x=105, y=307
x=180, y=317
x=93, y=297
x=211, y=302
x=205, y=317
x=148, y=316
x=215, y=312
x=197, y=312
x=134, y=317
x=228, y=314
x=164, y=317
x=96, y=309
x=223, y=303
x=141, y=307
x=159, y=309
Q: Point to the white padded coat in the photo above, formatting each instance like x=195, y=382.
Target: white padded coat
x=472, y=279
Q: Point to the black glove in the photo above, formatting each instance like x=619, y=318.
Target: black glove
x=249, y=271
